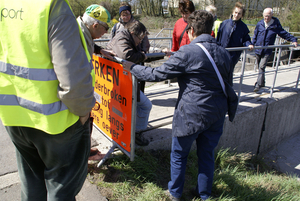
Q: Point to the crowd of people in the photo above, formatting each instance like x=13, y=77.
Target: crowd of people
x=47, y=92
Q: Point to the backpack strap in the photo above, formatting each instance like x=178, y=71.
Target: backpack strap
x=182, y=34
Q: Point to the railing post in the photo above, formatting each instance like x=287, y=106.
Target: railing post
x=255, y=65
x=242, y=74
x=274, y=59
x=133, y=115
x=170, y=41
x=297, y=82
x=275, y=74
x=290, y=57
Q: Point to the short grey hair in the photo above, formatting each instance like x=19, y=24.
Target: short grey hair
x=212, y=9
x=268, y=9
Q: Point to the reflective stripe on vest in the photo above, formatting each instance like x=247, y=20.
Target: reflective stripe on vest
x=28, y=83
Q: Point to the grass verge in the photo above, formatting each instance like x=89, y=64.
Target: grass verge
x=238, y=177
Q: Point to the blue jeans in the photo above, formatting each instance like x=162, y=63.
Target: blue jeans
x=206, y=143
x=51, y=167
x=142, y=112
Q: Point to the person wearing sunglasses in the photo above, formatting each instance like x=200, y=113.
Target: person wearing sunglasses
x=94, y=25
x=201, y=105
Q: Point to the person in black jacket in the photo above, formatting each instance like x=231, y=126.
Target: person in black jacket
x=201, y=105
x=234, y=32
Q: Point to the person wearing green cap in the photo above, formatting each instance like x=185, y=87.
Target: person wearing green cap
x=94, y=25
x=46, y=96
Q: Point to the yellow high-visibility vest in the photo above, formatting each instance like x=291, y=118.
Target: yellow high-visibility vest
x=217, y=24
x=28, y=83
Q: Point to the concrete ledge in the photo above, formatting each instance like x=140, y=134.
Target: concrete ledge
x=282, y=119
x=243, y=134
x=260, y=124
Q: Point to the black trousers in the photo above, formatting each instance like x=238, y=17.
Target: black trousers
x=51, y=167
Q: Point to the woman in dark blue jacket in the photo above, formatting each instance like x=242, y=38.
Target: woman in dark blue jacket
x=201, y=106
x=234, y=33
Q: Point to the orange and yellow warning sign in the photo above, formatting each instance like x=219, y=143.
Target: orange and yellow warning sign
x=113, y=92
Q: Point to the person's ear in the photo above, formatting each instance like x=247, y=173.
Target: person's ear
x=95, y=25
x=192, y=31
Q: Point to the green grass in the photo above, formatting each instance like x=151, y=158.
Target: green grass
x=238, y=177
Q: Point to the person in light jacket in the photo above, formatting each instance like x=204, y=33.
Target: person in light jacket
x=201, y=105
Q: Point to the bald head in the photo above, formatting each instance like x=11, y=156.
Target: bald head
x=268, y=13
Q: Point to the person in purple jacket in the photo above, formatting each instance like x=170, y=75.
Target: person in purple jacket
x=264, y=35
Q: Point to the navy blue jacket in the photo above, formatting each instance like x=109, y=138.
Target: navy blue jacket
x=265, y=37
x=201, y=101
x=233, y=34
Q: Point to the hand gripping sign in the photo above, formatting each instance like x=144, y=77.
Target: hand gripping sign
x=115, y=93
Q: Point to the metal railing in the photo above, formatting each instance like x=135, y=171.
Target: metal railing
x=276, y=60
x=160, y=39
x=154, y=45
x=244, y=55
x=241, y=76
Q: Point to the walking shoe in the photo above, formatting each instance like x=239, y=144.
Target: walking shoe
x=256, y=87
x=171, y=197
x=194, y=192
x=140, y=140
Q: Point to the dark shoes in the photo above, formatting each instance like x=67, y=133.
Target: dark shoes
x=194, y=192
x=257, y=87
x=140, y=140
x=171, y=197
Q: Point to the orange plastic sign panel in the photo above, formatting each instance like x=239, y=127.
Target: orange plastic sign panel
x=113, y=92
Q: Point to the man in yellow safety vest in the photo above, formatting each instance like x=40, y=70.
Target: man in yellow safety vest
x=46, y=95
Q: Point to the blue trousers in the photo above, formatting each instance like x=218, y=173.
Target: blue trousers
x=206, y=142
x=142, y=112
x=51, y=167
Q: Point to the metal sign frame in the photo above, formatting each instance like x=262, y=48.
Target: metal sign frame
x=130, y=153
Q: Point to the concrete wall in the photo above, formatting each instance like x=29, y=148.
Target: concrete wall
x=243, y=134
x=282, y=119
x=262, y=123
